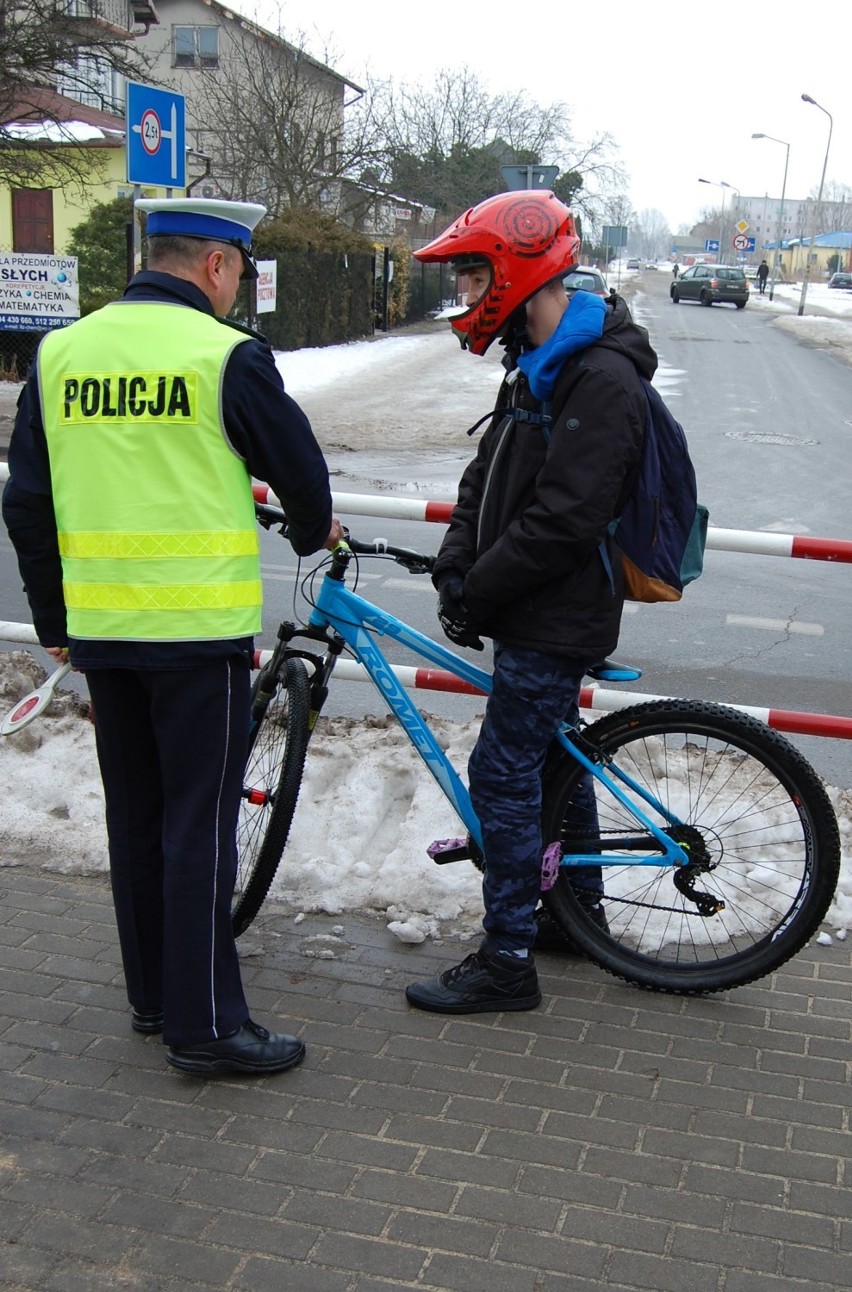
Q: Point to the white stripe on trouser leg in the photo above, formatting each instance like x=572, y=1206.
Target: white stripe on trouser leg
x=216, y=853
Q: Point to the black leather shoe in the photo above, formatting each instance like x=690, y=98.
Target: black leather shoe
x=251, y=1050
x=148, y=1023
x=487, y=980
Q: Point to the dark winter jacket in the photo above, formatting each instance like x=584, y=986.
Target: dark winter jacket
x=533, y=508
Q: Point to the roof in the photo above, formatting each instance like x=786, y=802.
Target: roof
x=841, y=241
x=47, y=118
x=266, y=34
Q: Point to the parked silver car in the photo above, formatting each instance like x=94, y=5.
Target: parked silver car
x=583, y=278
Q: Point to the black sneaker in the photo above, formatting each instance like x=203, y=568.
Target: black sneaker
x=486, y=980
x=550, y=936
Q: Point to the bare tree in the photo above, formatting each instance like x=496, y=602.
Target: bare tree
x=604, y=180
x=650, y=234
x=446, y=144
x=276, y=122
x=46, y=45
x=836, y=206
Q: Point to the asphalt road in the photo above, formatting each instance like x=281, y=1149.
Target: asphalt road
x=768, y=421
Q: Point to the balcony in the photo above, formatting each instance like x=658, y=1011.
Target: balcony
x=113, y=19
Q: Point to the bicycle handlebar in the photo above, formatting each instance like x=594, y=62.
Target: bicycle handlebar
x=415, y=562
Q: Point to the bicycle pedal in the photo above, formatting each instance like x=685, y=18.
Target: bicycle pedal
x=550, y=861
x=443, y=851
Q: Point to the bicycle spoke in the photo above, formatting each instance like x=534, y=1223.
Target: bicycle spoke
x=753, y=821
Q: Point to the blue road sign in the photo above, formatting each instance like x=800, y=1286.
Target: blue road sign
x=712, y=244
x=156, y=137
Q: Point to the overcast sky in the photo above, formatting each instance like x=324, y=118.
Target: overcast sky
x=680, y=87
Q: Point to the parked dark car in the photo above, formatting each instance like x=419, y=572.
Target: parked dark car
x=585, y=279
x=841, y=279
x=711, y=284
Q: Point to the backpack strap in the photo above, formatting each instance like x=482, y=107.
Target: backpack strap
x=544, y=419
x=607, y=563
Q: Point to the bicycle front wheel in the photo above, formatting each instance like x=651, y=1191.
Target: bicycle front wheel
x=271, y=784
x=757, y=825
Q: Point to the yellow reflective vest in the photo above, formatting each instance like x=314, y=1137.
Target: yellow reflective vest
x=154, y=509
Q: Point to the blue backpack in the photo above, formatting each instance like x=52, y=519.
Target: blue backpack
x=662, y=530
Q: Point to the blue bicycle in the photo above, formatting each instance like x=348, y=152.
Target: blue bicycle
x=718, y=846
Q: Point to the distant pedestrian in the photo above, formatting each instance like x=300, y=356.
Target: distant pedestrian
x=675, y=269
x=762, y=275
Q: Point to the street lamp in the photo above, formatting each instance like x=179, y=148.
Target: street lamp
x=722, y=184
x=716, y=184
x=776, y=260
x=735, y=190
x=811, y=253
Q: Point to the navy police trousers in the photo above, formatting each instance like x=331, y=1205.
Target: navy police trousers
x=533, y=693
x=172, y=749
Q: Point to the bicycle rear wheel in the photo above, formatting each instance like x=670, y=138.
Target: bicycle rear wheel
x=760, y=831
x=271, y=784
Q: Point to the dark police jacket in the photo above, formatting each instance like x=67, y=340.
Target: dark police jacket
x=264, y=426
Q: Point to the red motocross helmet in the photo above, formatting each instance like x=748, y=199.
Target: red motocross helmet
x=527, y=238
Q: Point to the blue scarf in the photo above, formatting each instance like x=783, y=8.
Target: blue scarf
x=580, y=325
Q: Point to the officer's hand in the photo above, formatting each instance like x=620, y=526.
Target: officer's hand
x=335, y=535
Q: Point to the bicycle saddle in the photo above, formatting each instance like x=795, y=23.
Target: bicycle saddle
x=608, y=670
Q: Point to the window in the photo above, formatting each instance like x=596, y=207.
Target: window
x=195, y=47
x=32, y=219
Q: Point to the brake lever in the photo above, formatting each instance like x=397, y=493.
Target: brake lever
x=417, y=565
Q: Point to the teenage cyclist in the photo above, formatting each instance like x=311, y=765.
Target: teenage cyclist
x=521, y=560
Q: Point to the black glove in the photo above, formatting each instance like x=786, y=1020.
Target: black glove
x=452, y=613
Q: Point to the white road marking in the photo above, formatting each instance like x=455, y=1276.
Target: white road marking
x=775, y=625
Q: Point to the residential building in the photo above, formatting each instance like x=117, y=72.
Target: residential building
x=767, y=225
x=91, y=142
x=267, y=116
x=827, y=252
x=72, y=128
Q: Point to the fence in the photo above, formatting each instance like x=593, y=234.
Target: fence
x=801, y=547
x=17, y=351
x=323, y=298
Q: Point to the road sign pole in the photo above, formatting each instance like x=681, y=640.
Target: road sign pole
x=137, y=231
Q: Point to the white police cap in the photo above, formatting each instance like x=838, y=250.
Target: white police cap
x=205, y=217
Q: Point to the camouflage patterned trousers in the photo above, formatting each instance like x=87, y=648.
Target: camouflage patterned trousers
x=532, y=694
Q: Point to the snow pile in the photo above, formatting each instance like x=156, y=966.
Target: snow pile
x=827, y=333
x=367, y=813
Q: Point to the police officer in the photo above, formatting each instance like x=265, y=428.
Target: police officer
x=130, y=506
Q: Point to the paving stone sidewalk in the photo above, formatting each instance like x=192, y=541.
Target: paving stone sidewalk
x=611, y=1139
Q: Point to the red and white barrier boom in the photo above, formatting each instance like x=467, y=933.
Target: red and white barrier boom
x=802, y=546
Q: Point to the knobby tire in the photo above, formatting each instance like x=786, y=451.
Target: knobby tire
x=274, y=768
x=764, y=828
